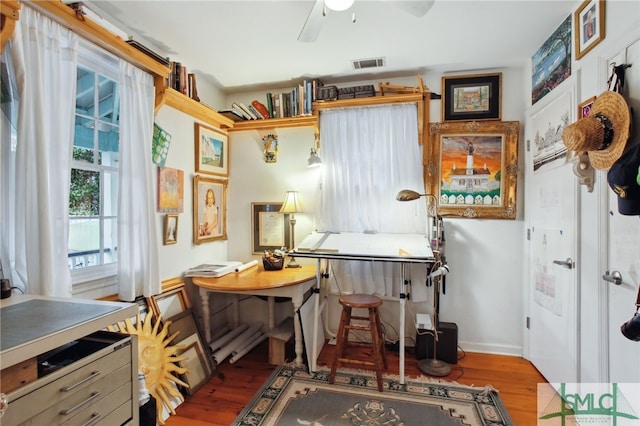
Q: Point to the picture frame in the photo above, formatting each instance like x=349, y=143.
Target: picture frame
x=270, y=230
x=491, y=148
x=170, y=231
x=584, y=107
x=472, y=97
x=212, y=151
x=209, y=214
x=170, y=190
x=589, y=26
x=198, y=358
x=545, y=131
x=170, y=303
x=551, y=64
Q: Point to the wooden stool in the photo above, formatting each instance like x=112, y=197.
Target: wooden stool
x=374, y=326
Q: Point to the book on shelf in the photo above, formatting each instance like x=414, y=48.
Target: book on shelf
x=238, y=108
x=232, y=114
x=255, y=112
x=261, y=108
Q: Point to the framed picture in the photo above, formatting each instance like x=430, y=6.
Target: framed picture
x=588, y=23
x=551, y=64
x=170, y=303
x=170, y=190
x=209, y=209
x=170, y=232
x=197, y=363
x=270, y=230
x=212, y=151
x=472, y=97
x=584, y=107
x=473, y=168
x=545, y=131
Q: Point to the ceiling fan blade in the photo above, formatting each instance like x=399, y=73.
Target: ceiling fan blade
x=417, y=8
x=314, y=22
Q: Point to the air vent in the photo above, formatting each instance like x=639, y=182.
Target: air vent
x=360, y=64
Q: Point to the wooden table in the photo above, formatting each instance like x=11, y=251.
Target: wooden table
x=287, y=282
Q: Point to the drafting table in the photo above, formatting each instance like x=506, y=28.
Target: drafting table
x=401, y=248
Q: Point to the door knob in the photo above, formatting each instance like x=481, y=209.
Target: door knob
x=615, y=277
x=569, y=263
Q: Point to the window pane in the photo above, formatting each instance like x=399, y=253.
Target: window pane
x=83, y=140
x=85, y=93
x=109, y=106
x=84, y=243
x=84, y=195
x=110, y=241
x=110, y=200
x=108, y=138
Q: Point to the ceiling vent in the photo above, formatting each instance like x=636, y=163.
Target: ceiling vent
x=360, y=64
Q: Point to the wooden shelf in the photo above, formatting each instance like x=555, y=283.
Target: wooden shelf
x=373, y=100
x=183, y=103
x=10, y=11
x=276, y=123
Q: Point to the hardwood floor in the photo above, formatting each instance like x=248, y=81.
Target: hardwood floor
x=218, y=402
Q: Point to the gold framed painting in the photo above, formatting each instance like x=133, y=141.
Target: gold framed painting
x=170, y=232
x=472, y=168
x=588, y=24
x=212, y=151
x=472, y=97
x=584, y=107
x=209, y=209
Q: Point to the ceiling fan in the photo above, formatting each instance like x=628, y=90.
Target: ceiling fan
x=315, y=20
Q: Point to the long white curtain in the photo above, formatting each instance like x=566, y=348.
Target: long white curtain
x=138, y=245
x=44, y=55
x=369, y=154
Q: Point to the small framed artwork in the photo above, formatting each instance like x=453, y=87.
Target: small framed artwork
x=584, y=107
x=551, y=64
x=170, y=303
x=170, y=190
x=588, y=22
x=269, y=229
x=212, y=151
x=197, y=363
x=472, y=97
x=170, y=232
x=474, y=168
x=209, y=209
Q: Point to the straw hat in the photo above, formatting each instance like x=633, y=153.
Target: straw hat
x=603, y=135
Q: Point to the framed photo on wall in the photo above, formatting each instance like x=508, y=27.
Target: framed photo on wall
x=170, y=190
x=472, y=97
x=170, y=232
x=209, y=209
x=588, y=23
x=584, y=107
x=551, y=64
x=475, y=168
x=212, y=151
x=270, y=230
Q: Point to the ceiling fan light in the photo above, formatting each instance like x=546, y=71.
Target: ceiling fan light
x=338, y=5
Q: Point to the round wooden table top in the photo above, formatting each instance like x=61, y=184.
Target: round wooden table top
x=256, y=278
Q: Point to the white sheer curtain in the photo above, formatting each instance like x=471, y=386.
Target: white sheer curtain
x=369, y=154
x=44, y=55
x=137, y=240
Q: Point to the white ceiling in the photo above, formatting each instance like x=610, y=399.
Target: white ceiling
x=245, y=44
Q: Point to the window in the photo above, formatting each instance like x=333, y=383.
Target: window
x=93, y=195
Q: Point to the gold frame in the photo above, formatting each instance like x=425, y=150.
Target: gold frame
x=455, y=138
x=583, y=46
x=166, y=235
x=158, y=302
x=201, y=185
x=584, y=107
x=258, y=210
x=220, y=140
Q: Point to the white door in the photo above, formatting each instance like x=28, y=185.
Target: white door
x=624, y=251
x=553, y=333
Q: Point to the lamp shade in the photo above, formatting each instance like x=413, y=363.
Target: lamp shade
x=292, y=203
x=314, y=159
x=408, y=195
x=338, y=5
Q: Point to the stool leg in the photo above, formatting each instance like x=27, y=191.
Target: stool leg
x=341, y=337
x=381, y=334
x=377, y=348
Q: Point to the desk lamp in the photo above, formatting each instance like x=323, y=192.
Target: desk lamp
x=431, y=367
x=292, y=205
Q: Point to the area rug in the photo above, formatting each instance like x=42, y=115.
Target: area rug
x=292, y=396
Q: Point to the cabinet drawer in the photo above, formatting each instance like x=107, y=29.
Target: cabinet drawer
x=95, y=375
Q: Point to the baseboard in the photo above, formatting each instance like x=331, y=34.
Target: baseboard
x=492, y=349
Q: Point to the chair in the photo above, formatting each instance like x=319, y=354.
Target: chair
x=372, y=325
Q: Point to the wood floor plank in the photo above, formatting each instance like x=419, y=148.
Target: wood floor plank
x=220, y=400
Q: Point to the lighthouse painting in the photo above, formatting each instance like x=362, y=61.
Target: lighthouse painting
x=477, y=167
